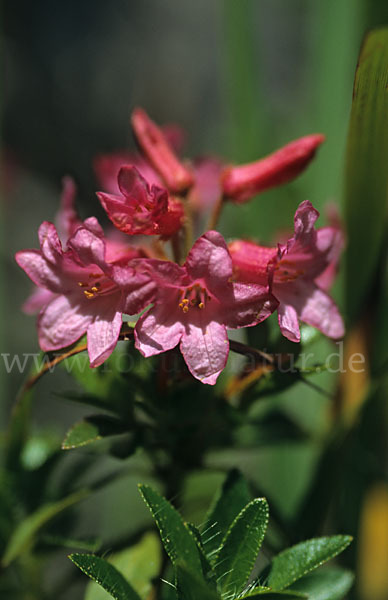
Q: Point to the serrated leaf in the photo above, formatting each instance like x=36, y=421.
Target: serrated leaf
x=139, y=564
x=239, y=549
x=332, y=583
x=91, y=429
x=231, y=499
x=106, y=575
x=177, y=539
x=191, y=587
x=366, y=169
x=24, y=535
x=295, y=562
x=207, y=568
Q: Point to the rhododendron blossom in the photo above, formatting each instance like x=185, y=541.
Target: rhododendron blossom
x=86, y=280
x=89, y=294
x=292, y=270
x=196, y=304
x=141, y=208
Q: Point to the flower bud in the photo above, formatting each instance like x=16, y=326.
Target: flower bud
x=240, y=183
x=158, y=151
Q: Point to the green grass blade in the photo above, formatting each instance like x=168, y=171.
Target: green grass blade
x=366, y=173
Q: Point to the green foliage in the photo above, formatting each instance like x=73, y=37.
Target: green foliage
x=139, y=564
x=293, y=563
x=331, y=583
x=24, y=535
x=105, y=575
x=232, y=564
x=240, y=547
x=366, y=169
x=232, y=498
x=177, y=539
x=91, y=429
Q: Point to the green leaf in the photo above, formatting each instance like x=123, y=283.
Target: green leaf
x=230, y=500
x=190, y=586
x=24, y=535
x=105, y=575
x=177, y=539
x=139, y=564
x=240, y=547
x=366, y=169
x=295, y=562
x=332, y=583
x=207, y=569
x=91, y=429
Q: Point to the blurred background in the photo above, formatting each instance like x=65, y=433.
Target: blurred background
x=242, y=77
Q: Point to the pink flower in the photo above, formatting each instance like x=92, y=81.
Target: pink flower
x=293, y=270
x=89, y=294
x=107, y=168
x=157, y=149
x=196, y=304
x=67, y=221
x=240, y=183
x=141, y=209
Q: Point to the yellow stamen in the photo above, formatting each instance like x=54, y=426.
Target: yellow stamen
x=88, y=295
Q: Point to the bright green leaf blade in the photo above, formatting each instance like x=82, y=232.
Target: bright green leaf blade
x=329, y=584
x=191, y=587
x=238, y=553
x=91, y=429
x=139, y=564
x=24, y=535
x=228, y=503
x=366, y=169
x=297, y=561
x=178, y=541
x=106, y=575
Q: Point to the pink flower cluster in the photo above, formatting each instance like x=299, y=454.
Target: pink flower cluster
x=86, y=280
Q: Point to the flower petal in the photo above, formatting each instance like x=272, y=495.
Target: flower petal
x=89, y=247
x=304, y=221
x=103, y=333
x=50, y=244
x=62, y=323
x=246, y=305
x=288, y=322
x=331, y=242
x=37, y=300
x=41, y=272
x=205, y=348
x=67, y=220
x=321, y=312
x=313, y=306
x=209, y=259
x=158, y=330
x=138, y=287
x=132, y=183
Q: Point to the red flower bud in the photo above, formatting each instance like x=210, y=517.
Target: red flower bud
x=241, y=183
x=158, y=151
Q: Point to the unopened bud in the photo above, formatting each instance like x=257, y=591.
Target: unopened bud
x=240, y=183
x=158, y=151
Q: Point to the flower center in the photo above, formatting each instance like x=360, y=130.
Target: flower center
x=98, y=285
x=194, y=296
x=286, y=271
